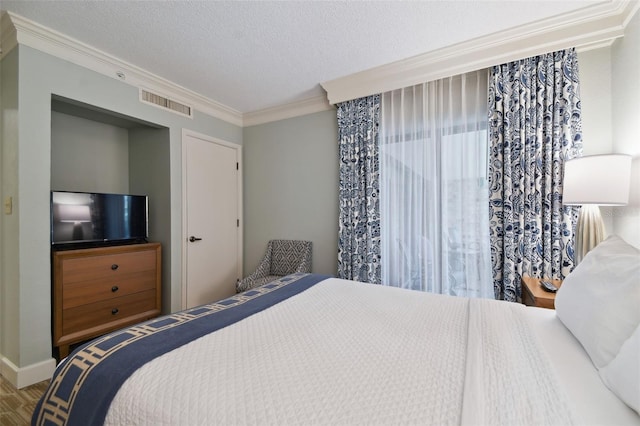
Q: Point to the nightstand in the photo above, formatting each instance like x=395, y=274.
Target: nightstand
x=534, y=295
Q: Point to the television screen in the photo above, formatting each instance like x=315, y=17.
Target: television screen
x=81, y=217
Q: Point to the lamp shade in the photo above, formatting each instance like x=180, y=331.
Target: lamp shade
x=597, y=179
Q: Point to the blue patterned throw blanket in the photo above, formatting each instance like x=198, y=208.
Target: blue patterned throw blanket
x=86, y=382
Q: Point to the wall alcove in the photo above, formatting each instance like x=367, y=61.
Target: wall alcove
x=96, y=150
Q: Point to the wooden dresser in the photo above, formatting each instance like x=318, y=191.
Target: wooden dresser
x=99, y=290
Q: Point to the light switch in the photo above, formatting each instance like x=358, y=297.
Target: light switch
x=8, y=205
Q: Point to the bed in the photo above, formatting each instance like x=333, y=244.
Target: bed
x=313, y=349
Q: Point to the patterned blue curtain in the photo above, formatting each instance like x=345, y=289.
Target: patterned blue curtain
x=359, y=222
x=534, y=126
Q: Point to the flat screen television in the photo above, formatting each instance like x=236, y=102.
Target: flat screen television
x=93, y=219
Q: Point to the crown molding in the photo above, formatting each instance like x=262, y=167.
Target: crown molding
x=34, y=35
x=630, y=9
x=588, y=26
x=289, y=110
x=8, y=36
x=595, y=45
x=19, y=30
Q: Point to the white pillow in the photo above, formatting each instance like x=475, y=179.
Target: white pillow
x=622, y=375
x=599, y=302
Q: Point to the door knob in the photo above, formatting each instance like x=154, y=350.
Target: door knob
x=194, y=239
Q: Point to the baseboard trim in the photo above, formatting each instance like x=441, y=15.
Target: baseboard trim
x=21, y=377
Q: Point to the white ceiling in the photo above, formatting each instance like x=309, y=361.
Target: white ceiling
x=255, y=55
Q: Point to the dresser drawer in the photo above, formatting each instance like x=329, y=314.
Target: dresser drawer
x=107, y=288
x=101, y=313
x=108, y=266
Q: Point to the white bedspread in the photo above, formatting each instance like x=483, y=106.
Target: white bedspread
x=349, y=353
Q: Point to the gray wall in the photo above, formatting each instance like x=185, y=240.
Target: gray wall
x=291, y=187
x=26, y=176
x=9, y=233
x=149, y=161
x=626, y=124
x=88, y=156
x=595, y=93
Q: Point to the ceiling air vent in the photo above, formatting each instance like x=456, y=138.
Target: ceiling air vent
x=165, y=103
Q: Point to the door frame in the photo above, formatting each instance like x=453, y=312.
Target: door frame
x=184, y=237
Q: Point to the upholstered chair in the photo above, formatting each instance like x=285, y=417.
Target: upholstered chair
x=283, y=257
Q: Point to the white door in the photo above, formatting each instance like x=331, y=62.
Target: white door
x=211, y=213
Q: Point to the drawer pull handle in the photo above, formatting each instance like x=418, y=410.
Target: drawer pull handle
x=114, y=266
x=114, y=288
x=114, y=311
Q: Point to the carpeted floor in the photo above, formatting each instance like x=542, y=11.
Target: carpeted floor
x=16, y=405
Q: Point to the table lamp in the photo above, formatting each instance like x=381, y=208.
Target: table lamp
x=592, y=181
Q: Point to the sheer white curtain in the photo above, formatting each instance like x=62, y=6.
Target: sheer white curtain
x=433, y=187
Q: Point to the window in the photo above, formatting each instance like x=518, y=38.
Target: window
x=433, y=187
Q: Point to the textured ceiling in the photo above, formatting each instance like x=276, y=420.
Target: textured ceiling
x=253, y=55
